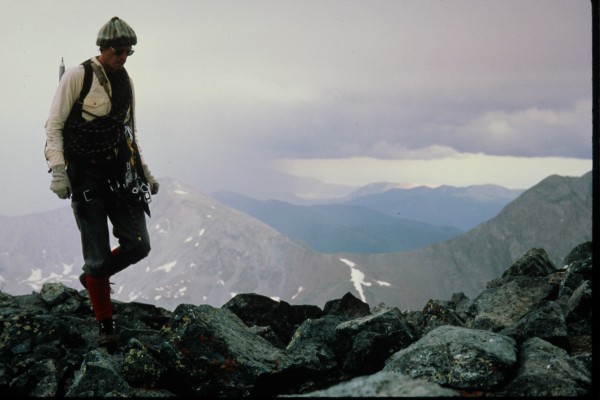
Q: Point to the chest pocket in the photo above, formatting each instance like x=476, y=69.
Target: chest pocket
x=95, y=104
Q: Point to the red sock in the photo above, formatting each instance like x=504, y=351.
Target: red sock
x=99, y=292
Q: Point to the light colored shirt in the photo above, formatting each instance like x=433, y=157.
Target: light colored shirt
x=97, y=102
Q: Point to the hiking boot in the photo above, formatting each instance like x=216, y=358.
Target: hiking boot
x=106, y=333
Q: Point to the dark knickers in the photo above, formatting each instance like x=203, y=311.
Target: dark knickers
x=94, y=204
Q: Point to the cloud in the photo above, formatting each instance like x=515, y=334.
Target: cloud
x=530, y=132
x=226, y=91
x=385, y=150
x=459, y=169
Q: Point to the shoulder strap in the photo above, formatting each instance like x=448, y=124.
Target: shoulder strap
x=87, y=80
x=85, y=89
x=101, y=78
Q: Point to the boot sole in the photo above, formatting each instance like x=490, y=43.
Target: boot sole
x=108, y=340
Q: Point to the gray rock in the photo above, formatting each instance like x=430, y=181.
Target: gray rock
x=98, y=377
x=579, y=305
x=458, y=357
x=48, y=344
x=436, y=313
x=348, y=306
x=372, y=339
x=384, y=384
x=507, y=300
x=534, y=263
x=545, y=321
x=548, y=371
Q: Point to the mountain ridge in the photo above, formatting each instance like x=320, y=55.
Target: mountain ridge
x=368, y=220
x=205, y=252
x=459, y=207
x=332, y=228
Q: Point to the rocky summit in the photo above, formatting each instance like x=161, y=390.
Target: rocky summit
x=528, y=333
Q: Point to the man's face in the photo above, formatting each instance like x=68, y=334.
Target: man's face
x=114, y=58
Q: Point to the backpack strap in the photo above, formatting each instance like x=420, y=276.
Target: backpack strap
x=101, y=78
x=85, y=89
x=87, y=83
x=87, y=79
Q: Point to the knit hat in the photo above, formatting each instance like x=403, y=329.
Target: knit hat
x=116, y=32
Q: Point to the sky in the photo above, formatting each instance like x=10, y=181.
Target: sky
x=264, y=97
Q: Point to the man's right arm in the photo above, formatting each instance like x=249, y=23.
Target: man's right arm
x=66, y=95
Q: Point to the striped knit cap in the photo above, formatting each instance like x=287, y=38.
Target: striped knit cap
x=116, y=32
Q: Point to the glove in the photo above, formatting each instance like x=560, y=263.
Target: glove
x=60, y=182
x=154, y=185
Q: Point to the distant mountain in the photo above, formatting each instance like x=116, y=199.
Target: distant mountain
x=292, y=189
x=204, y=252
x=379, y=218
x=554, y=215
x=460, y=207
x=340, y=227
x=373, y=188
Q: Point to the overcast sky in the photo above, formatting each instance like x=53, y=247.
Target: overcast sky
x=230, y=94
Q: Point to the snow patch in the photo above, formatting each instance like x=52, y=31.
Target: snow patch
x=166, y=267
x=201, y=233
x=134, y=296
x=300, y=290
x=347, y=262
x=67, y=268
x=36, y=275
x=36, y=280
x=357, y=278
x=157, y=227
x=383, y=283
x=178, y=191
x=189, y=239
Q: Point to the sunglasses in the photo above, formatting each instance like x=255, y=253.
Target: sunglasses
x=118, y=52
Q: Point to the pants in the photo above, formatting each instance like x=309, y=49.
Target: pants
x=94, y=204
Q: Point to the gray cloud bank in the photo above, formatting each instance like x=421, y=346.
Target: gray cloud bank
x=227, y=91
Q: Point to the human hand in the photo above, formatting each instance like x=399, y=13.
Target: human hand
x=60, y=182
x=154, y=185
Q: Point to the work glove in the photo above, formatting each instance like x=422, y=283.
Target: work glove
x=60, y=182
x=151, y=180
